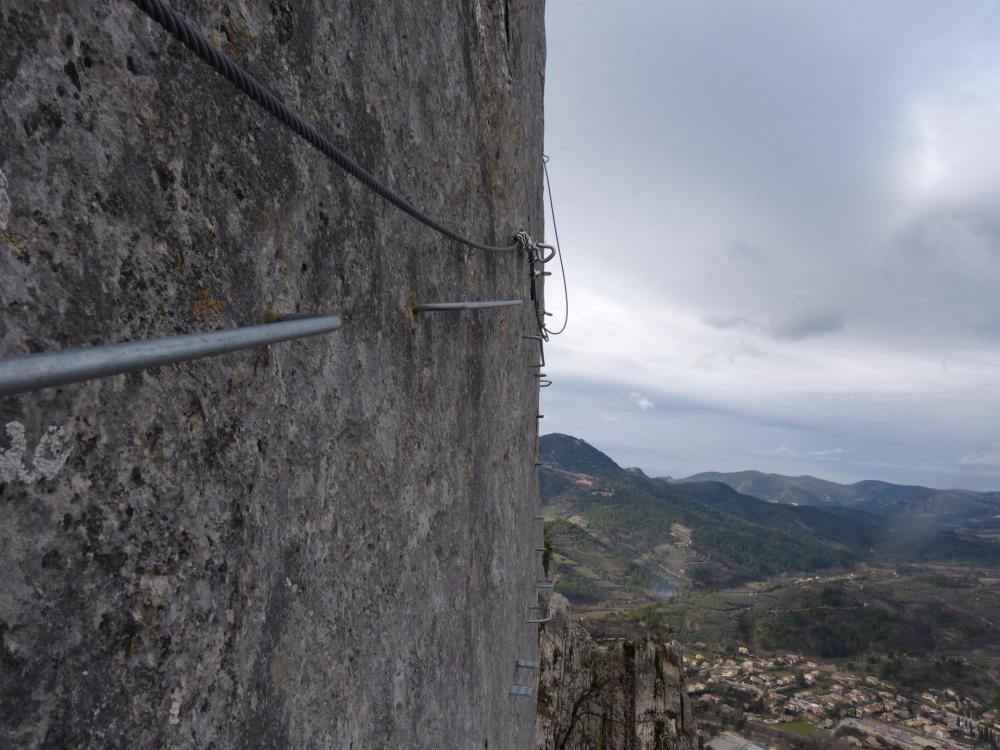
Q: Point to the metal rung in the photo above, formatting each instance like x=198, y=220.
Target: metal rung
x=541, y=416
x=539, y=620
x=527, y=664
x=545, y=584
x=539, y=463
x=451, y=306
x=521, y=690
x=33, y=372
x=541, y=349
x=539, y=549
x=539, y=518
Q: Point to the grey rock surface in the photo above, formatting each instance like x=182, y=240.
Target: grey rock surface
x=324, y=544
x=619, y=694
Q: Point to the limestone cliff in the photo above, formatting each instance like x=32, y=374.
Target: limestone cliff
x=326, y=543
x=620, y=694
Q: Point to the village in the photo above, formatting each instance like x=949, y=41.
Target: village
x=785, y=699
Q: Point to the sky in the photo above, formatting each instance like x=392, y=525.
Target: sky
x=781, y=225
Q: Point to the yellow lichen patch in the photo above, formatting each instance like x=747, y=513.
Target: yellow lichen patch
x=205, y=305
x=20, y=242
x=238, y=36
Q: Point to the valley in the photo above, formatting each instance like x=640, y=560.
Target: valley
x=795, y=617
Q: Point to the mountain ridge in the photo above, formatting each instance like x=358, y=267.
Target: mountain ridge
x=608, y=521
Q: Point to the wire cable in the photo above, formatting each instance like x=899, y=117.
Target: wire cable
x=182, y=29
x=555, y=231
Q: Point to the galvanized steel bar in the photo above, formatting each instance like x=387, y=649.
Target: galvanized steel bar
x=451, y=306
x=33, y=372
x=541, y=349
x=539, y=620
x=527, y=664
x=521, y=690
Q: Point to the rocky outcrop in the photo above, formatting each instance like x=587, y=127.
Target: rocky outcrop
x=619, y=694
x=325, y=543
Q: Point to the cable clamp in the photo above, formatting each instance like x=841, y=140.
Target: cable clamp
x=523, y=239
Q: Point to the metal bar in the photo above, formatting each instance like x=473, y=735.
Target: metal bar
x=449, y=306
x=539, y=549
x=521, y=690
x=541, y=349
x=539, y=620
x=527, y=664
x=33, y=372
x=539, y=518
x=545, y=584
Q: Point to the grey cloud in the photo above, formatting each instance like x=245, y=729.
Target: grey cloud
x=787, y=327
x=807, y=325
x=731, y=322
x=808, y=218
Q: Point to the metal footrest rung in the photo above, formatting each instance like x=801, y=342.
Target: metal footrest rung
x=527, y=664
x=539, y=620
x=545, y=584
x=453, y=306
x=523, y=691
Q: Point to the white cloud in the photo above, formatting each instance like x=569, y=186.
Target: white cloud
x=641, y=401
x=990, y=457
x=608, y=417
x=827, y=454
x=782, y=450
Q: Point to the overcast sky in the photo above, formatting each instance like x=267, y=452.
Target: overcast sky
x=782, y=233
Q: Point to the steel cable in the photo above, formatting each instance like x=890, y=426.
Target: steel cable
x=182, y=29
x=555, y=231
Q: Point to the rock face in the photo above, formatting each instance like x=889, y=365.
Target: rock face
x=326, y=543
x=616, y=695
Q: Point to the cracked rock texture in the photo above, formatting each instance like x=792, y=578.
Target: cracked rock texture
x=326, y=543
x=617, y=694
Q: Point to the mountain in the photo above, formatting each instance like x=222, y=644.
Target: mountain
x=667, y=535
x=617, y=534
x=975, y=513
x=853, y=529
